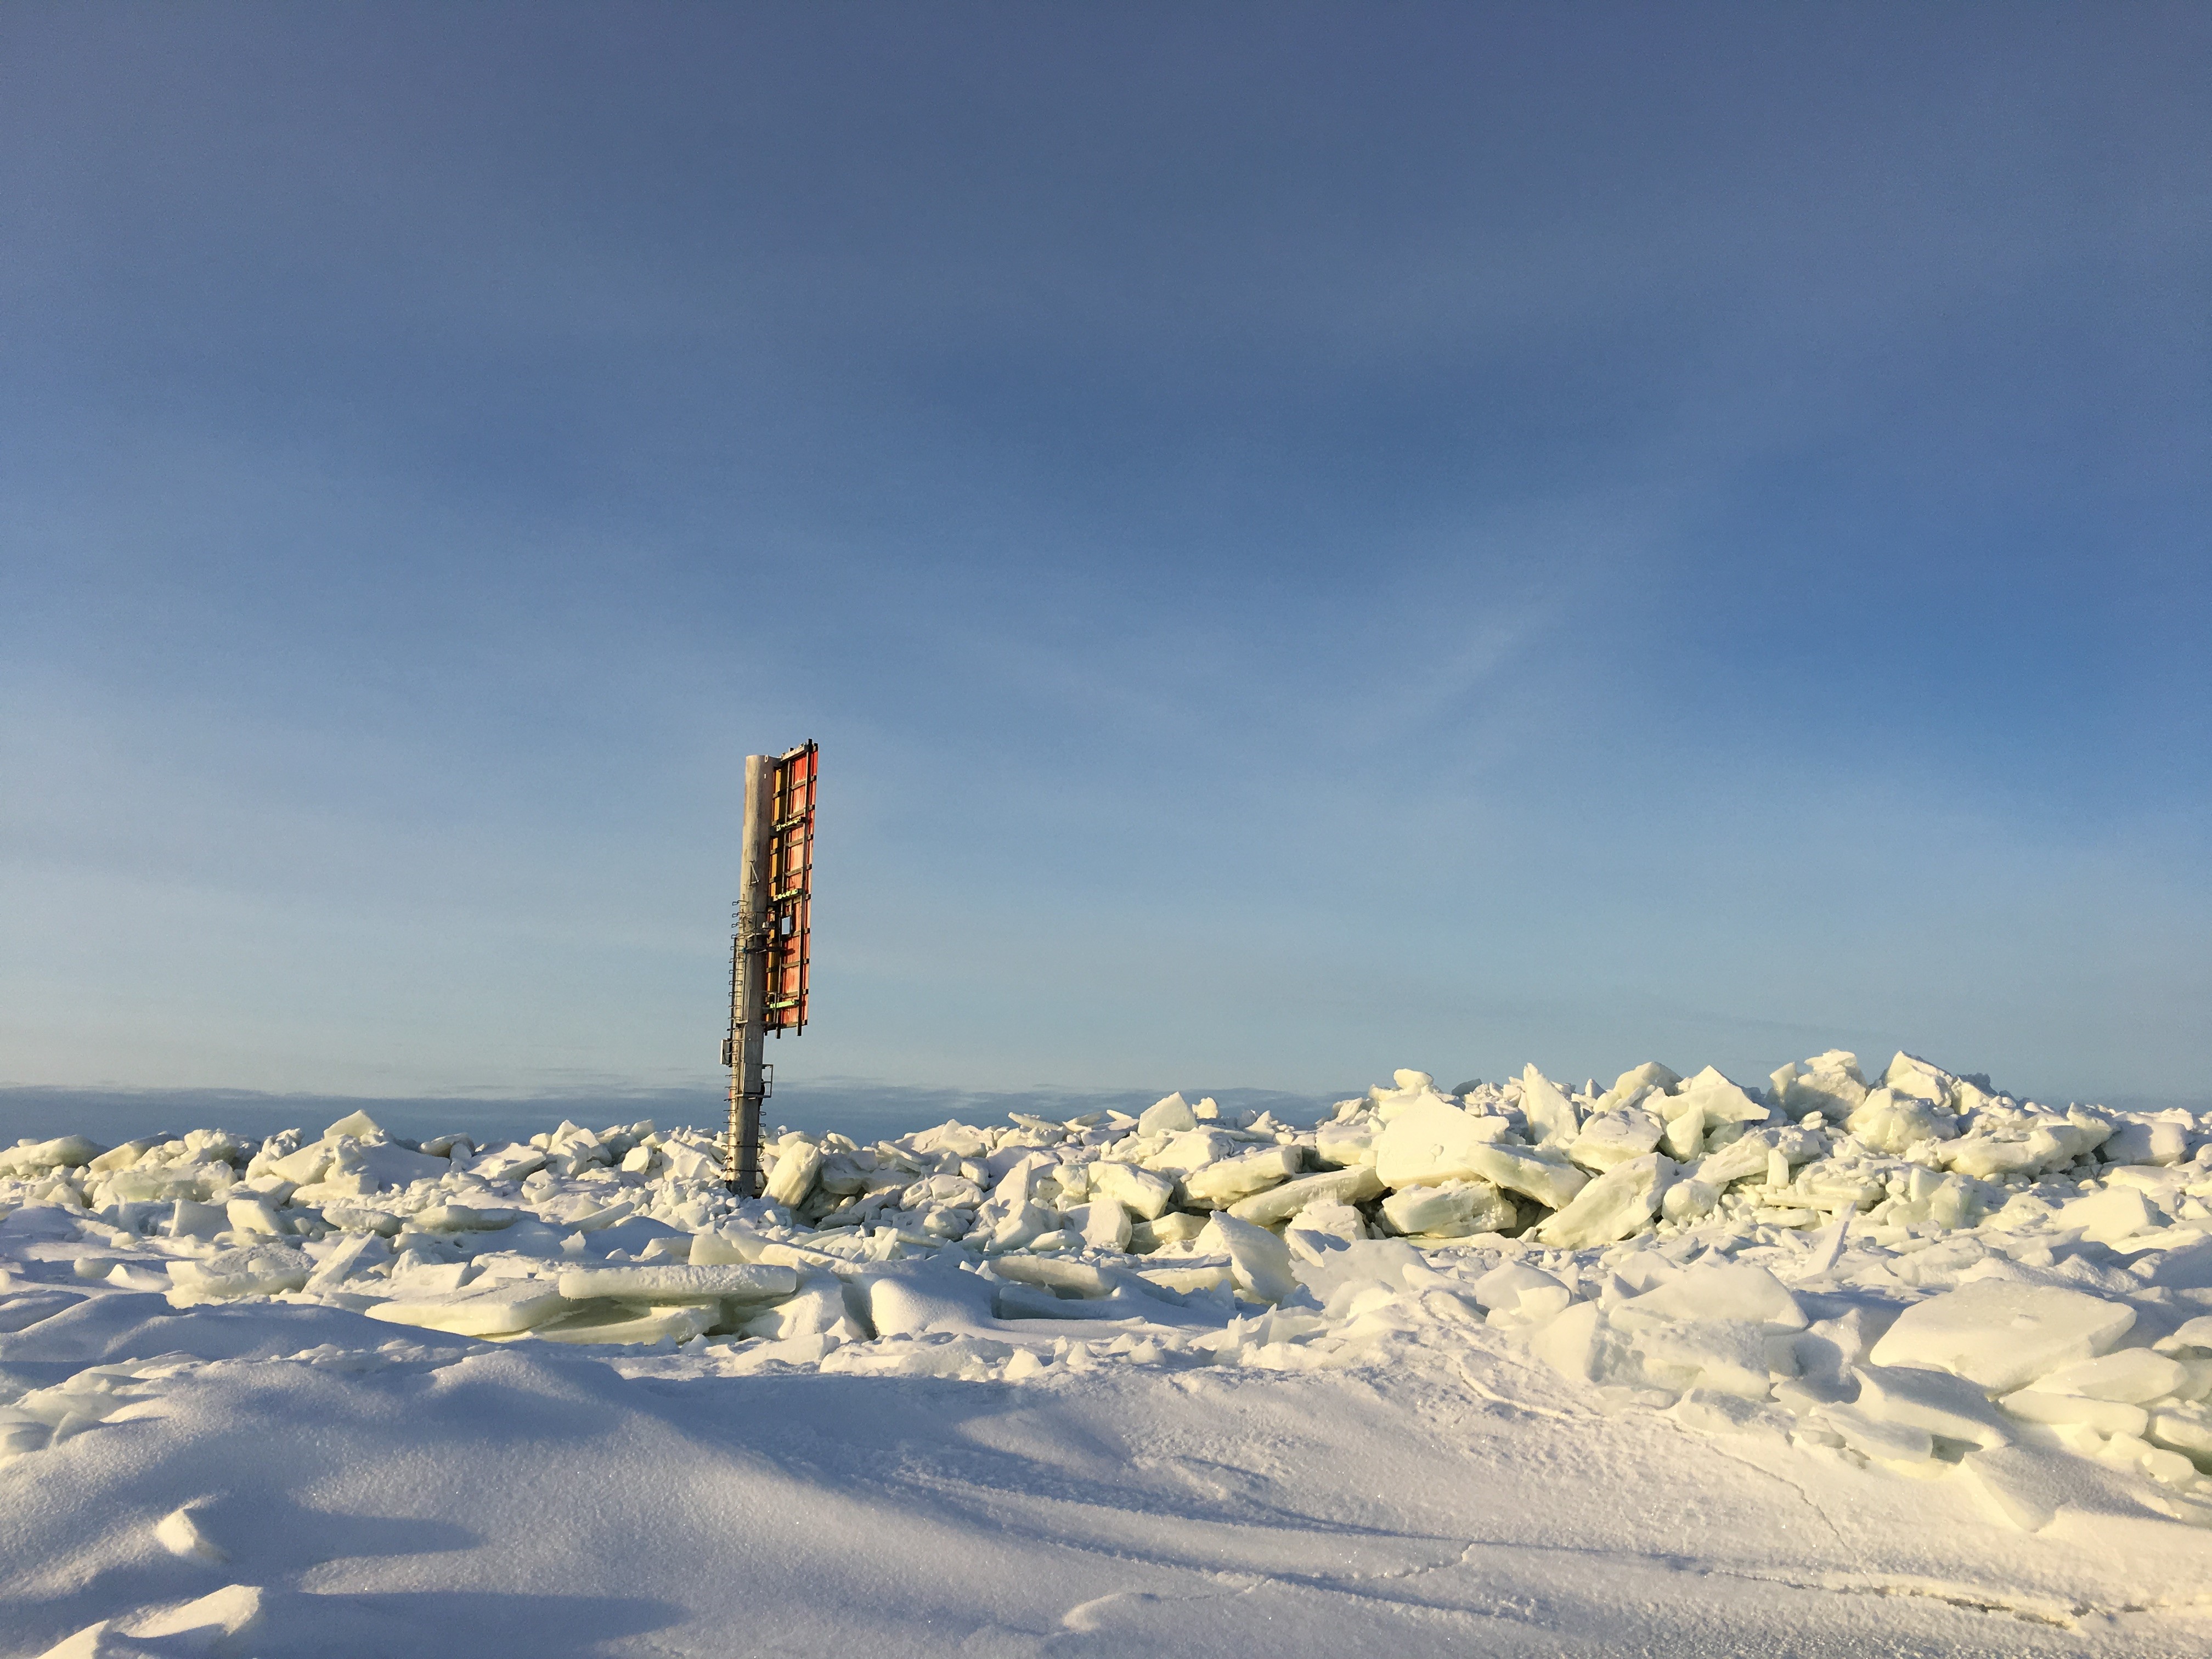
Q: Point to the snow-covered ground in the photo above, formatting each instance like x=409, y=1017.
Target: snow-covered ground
x=1833, y=1365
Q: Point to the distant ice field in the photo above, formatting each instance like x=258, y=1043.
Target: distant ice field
x=870, y=1110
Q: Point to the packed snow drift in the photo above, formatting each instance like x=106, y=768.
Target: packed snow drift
x=1833, y=1364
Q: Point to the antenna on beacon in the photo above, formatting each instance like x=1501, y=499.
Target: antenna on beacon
x=768, y=952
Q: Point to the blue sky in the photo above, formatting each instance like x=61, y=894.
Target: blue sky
x=1313, y=539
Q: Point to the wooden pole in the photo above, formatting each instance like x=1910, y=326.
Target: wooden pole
x=749, y=983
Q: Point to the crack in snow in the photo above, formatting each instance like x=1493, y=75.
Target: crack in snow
x=2035, y=1610
x=1532, y=1409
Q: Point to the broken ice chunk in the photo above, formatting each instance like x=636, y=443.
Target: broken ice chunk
x=1637, y=1083
x=797, y=1164
x=190, y=1220
x=1517, y=1293
x=1318, y=1225
x=64, y=1152
x=2195, y=1336
x=927, y=1299
x=1551, y=1118
x=1172, y=1116
x=2162, y=1464
x=1687, y=1200
x=1883, y=1441
x=254, y=1215
x=1715, y=1097
x=1022, y=1228
x=725, y=1248
x=1432, y=1144
x=1685, y=1136
x=1731, y=1291
x=373, y=1166
x=1736, y=1160
x=690, y=1163
x=1733, y=1356
x=630, y=1323
x=1192, y=1151
x=819, y=1307
x=2184, y=1431
x=2013, y=1484
x=1425, y=1147
x=2002, y=1334
x=1543, y=1173
x=740, y=1281
x=1411, y=1091
x=1909, y=1075
x=255, y=1270
x=1145, y=1193
x=2107, y=1216
x=352, y=1251
x=2133, y=1375
x=512, y=1163
x=499, y=1309
x=961, y=1139
x=1618, y=1204
x=1578, y=1344
x=1890, y=1122
x=1025, y=1301
x=1260, y=1261
x=1830, y=1085
x=2050, y=1143
x=119, y=1157
x=1057, y=1274
x=2105, y=1416
x=2146, y=1141
x=1356, y=1185
x=1194, y=1278
x=303, y=1167
x=355, y=1218
x=1938, y=1401
x=1103, y=1223
x=464, y=1218
x=420, y=1276
x=1454, y=1210
x=1176, y=1227
x=1615, y=1138
x=1345, y=1143
x=1225, y=1182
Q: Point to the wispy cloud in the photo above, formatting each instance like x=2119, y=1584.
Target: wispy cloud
x=1311, y=544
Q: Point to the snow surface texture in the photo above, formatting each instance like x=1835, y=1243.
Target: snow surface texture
x=1834, y=1365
